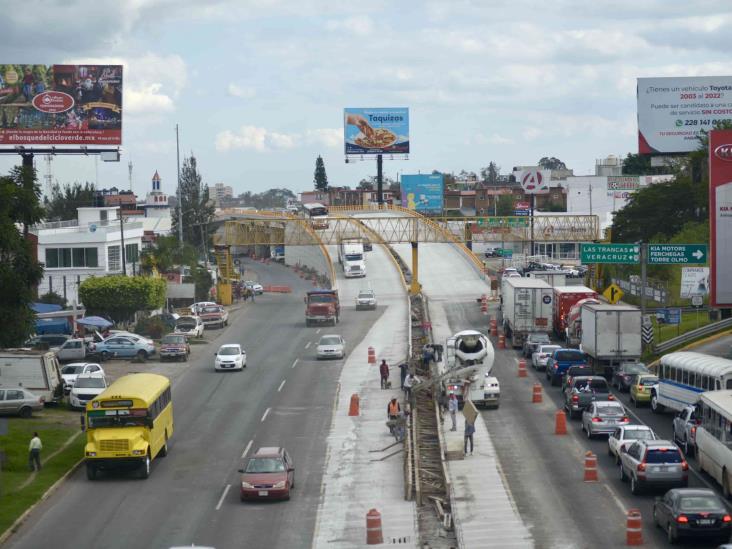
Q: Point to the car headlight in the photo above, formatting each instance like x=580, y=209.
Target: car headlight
x=91, y=454
x=138, y=452
x=279, y=485
x=246, y=485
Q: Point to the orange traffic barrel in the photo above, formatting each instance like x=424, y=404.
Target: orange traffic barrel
x=560, y=423
x=536, y=396
x=634, y=529
x=374, y=536
x=353, y=409
x=522, y=368
x=501, y=341
x=590, y=467
x=372, y=355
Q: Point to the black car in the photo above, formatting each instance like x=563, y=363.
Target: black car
x=623, y=375
x=696, y=513
x=533, y=340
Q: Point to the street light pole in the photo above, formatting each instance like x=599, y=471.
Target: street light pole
x=180, y=195
x=122, y=238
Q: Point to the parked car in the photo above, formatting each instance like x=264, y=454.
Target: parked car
x=19, y=401
x=692, y=513
x=602, y=417
x=366, y=299
x=86, y=388
x=122, y=346
x=331, y=346
x=641, y=388
x=131, y=335
x=52, y=340
x=230, y=357
x=75, y=349
x=560, y=361
x=532, y=342
x=256, y=287
x=196, y=308
x=268, y=474
x=541, y=355
x=624, y=373
x=653, y=463
x=624, y=436
x=71, y=372
x=583, y=391
x=189, y=326
x=174, y=347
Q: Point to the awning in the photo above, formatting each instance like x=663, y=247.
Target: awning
x=95, y=321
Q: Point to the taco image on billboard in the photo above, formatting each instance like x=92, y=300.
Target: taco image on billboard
x=380, y=138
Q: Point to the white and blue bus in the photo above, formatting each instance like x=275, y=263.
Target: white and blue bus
x=684, y=376
x=714, y=437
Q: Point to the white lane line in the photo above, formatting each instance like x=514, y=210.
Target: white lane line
x=266, y=413
x=307, y=345
x=294, y=363
x=281, y=385
x=246, y=450
x=318, y=330
x=221, y=499
x=616, y=499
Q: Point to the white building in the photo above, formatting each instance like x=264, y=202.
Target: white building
x=222, y=192
x=158, y=217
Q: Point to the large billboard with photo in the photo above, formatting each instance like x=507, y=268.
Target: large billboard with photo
x=672, y=112
x=60, y=104
x=376, y=131
x=720, y=216
x=423, y=193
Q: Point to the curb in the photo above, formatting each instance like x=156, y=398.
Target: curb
x=21, y=519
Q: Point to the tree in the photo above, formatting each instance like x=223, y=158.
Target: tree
x=198, y=210
x=20, y=272
x=166, y=254
x=320, y=179
x=272, y=198
x=203, y=282
x=551, y=163
x=504, y=204
x=489, y=174
x=52, y=298
x=121, y=296
x=64, y=200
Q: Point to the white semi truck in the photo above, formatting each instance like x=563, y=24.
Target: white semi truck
x=351, y=257
x=526, y=307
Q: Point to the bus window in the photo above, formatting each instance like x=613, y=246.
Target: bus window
x=685, y=377
x=718, y=384
x=729, y=384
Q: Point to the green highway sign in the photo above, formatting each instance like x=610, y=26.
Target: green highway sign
x=610, y=253
x=520, y=222
x=670, y=254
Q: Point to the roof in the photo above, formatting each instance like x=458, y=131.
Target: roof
x=721, y=400
x=702, y=364
x=522, y=282
x=267, y=451
x=230, y=345
x=608, y=307
x=573, y=290
x=144, y=386
x=45, y=307
x=322, y=291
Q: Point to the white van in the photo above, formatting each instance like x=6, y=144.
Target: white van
x=37, y=371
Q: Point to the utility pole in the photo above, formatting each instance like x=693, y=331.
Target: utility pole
x=380, y=180
x=122, y=238
x=644, y=278
x=180, y=195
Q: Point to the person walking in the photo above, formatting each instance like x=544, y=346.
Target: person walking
x=469, y=431
x=34, y=453
x=452, y=407
x=427, y=356
x=408, y=382
x=404, y=369
x=384, y=371
x=392, y=413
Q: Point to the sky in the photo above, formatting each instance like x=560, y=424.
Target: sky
x=258, y=87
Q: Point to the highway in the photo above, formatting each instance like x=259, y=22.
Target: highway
x=284, y=397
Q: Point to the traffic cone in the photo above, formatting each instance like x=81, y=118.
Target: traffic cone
x=501, y=341
x=634, y=529
x=522, y=368
x=353, y=409
x=372, y=355
x=494, y=327
x=560, y=423
x=536, y=397
x=590, y=467
x=374, y=535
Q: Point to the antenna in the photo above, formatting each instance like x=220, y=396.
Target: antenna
x=49, y=175
x=129, y=169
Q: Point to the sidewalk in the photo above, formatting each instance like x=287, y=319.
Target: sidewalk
x=353, y=483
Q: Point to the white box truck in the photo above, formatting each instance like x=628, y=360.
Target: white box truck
x=553, y=278
x=611, y=334
x=351, y=257
x=526, y=307
x=37, y=371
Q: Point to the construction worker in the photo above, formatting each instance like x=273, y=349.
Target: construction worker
x=392, y=413
x=469, y=431
x=384, y=371
x=427, y=356
x=404, y=369
x=408, y=382
x=452, y=407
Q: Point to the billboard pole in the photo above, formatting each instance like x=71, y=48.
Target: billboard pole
x=531, y=248
x=180, y=200
x=380, y=179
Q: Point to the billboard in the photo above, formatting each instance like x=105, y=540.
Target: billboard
x=423, y=193
x=376, y=131
x=694, y=281
x=534, y=181
x=672, y=112
x=60, y=104
x=720, y=216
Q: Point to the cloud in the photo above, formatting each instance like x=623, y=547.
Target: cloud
x=360, y=25
x=329, y=137
x=493, y=139
x=263, y=140
x=245, y=92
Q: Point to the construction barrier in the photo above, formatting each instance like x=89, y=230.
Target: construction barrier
x=590, y=467
x=634, y=529
x=501, y=341
x=536, y=396
x=372, y=355
x=560, y=423
x=374, y=535
x=277, y=289
x=493, y=326
x=353, y=409
x=522, y=368
x=484, y=304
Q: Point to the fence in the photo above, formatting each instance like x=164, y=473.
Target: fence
x=692, y=335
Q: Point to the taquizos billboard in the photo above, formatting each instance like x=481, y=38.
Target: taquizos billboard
x=376, y=131
x=720, y=216
x=61, y=104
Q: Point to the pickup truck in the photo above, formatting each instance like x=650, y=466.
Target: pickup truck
x=582, y=391
x=560, y=361
x=214, y=315
x=75, y=349
x=685, y=424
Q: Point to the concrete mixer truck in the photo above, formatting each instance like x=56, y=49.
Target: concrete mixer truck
x=466, y=369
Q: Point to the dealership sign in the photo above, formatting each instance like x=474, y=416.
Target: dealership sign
x=673, y=112
x=534, y=181
x=376, y=131
x=720, y=214
x=694, y=282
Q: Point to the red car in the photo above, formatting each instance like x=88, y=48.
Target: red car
x=268, y=474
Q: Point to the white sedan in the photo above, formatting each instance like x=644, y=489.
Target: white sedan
x=71, y=372
x=366, y=299
x=542, y=354
x=230, y=357
x=256, y=287
x=331, y=346
x=86, y=388
x=625, y=436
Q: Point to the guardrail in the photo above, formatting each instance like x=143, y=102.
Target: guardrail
x=693, y=334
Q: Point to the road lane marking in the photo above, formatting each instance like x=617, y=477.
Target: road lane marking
x=281, y=385
x=221, y=499
x=307, y=345
x=266, y=413
x=246, y=450
x=318, y=330
x=294, y=363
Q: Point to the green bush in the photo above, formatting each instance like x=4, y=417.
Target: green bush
x=153, y=327
x=121, y=296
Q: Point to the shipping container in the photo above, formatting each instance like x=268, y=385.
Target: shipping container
x=611, y=334
x=526, y=306
x=564, y=298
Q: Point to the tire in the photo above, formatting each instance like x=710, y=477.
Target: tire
x=91, y=471
x=589, y=433
x=689, y=449
x=655, y=518
x=623, y=478
x=656, y=408
x=164, y=450
x=635, y=487
x=104, y=356
x=144, y=471
x=610, y=452
x=142, y=355
x=617, y=459
x=670, y=536
x=25, y=412
x=725, y=484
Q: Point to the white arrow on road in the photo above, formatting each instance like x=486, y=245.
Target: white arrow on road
x=698, y=254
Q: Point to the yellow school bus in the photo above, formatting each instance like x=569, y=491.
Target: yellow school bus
x=129, y=424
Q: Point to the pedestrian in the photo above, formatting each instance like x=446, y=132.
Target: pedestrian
x=408, y=382
x=469, y=431
x=384, y=371
x=392, y=413
x=404, y=368
x=452, y=407
x=34, y=453
x=438, y=352
x=427, y=356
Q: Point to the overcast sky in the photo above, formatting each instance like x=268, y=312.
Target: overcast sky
x=258, y=87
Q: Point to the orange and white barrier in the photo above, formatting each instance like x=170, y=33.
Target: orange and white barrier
x=372, y=355
x=536, y=396
x=560, y=423
x=590, y=467
x=634, y=528
x=374, y=535
x=522, y=368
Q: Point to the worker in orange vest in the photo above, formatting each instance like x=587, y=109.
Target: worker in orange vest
x=392, y=412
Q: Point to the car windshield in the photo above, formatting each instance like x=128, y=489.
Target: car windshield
x=700, y=503
x=548, y=348
x=320, y=299
x=663, y=455
x=116, y=421
x=90, y=382
x=330, y=340
x=265, y=465
x=635, y=368
x=538, y=338
x=638, y=434
x=229, y=351
x=71, y=369
x=610, y=411
x=174, y=339
x=569, y=355
x=210, y=309
x=365, y=295
x=648, y=381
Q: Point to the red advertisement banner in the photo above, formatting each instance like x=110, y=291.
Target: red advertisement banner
x=720, y=216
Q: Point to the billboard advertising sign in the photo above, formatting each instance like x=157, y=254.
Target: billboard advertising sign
x=720, y=216
x=694, y=281
x=672, y=112
x=376, y=131
x=423, y=193
x=534, y=181
x=61, y=104
x=623, y=183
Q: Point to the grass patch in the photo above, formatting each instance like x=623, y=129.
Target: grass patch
x=689, y=319
x=55, y=427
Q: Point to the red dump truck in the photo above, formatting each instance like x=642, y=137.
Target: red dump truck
x=322, y=306
x=564, y=298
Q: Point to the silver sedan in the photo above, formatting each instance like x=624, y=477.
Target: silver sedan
x=603, y=417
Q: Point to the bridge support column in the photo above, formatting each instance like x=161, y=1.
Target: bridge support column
x=416, y=287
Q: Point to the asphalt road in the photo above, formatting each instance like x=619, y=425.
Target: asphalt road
x=284, y=397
